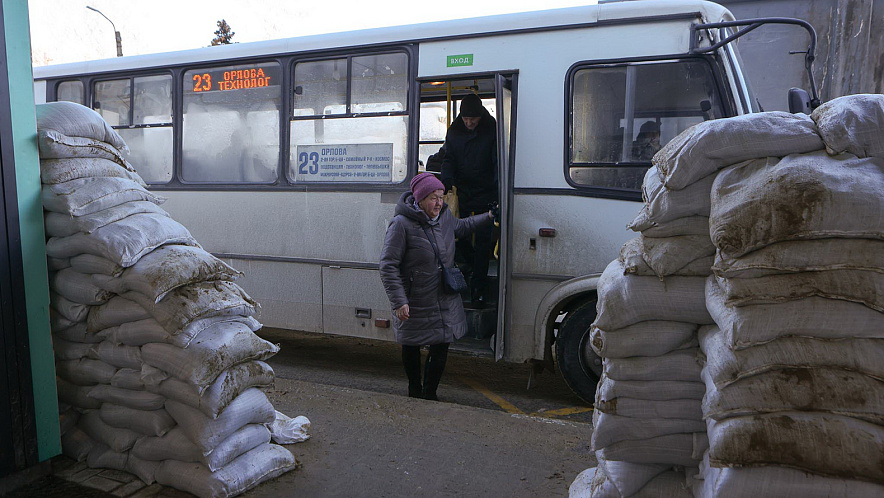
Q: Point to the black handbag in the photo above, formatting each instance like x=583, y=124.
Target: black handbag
x=452, y=279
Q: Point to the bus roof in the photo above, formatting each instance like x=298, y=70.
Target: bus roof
x=458, y=28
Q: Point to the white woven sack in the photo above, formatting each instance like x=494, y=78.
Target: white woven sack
x=748, y=326
x=55, y=264
x=725, y=365
x=691, y=225
x=102, y=457
x=799, y=197
x=65, y=225
x=859, y=286
x=192, y=302
x=165, y=269
x=85, y=372
x=781, y=482
x=673, y=449
x=853, y=123
x=705, y=148
x=821, y=443
x=804, y=256
x=116, y=311
x=137, y=333
x=669, y=484
x=679, y=365
x=247, y=471
x=57, y=145
x=70, y=310
x=663, y=204
x=85, y=196
x=657, y=390
x=58, y=323
x=124, y=241
x=76, y=333
x=629, y=478
x=138, y=400
x=817, y=389
x=580, y=486
x=689, y=409
x=216, y=349
x=609, y=429
x=76, y=396
x=144, y=469
x=128, y=378
x=146, y=422
x=67, y=350
x=76, y=444
x=77, y=120
x=91, y=264
x=214, y=399
x=64, y=170
x=628, y=299
x=183, y=338
x=250, y=407
x=683, y=255
x=651, y=338
x=117, y=355
x=115, y=438
x=78, y=288
x=176, y=446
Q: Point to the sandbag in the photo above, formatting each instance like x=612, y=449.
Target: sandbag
x=628, y=299
x=144, y=469
x=128, y=378
x=78, y=288
x=91, y=264
x=679, y=365
x=245, y=472
x=816, y=389
x=55, y=264
x=67, y=350
x=56, y=145
x=288, y=430
x=176, y=446
x=191, y=302
x=64, y=170
x=725, y=365
x=580, y=486
x=72, y=311
x=138, y=400
x=102, y=457
x=651, y=338
x=168, y=268
x=116, y=311
x=125, y=241
x=690, y=409
x=76, y=333
x=798, y=197
x=658, y=390
x=76, y=444
x=85, y=371
x=818, y=317
x=684, y=255
x=77, y=120
x=65, y=225
x=250, y=407
x=821, y=443
x=852, y=123
x=673, y=449
x=224, y=345
x=146, y=422
x=858, y=286
x=663, y=205
x=609, y=429
x=115, y=438
x=184, y=337
x=85, y=196
x=629, y=478
x=75, y=395
x=707, y=147
x=137, y=333
x=669, y=484
x=117, y=355
x=804, y=256
x=225, y=388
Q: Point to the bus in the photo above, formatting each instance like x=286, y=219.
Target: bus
x=285, y=158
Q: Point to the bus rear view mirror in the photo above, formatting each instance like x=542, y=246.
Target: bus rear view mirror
x=799, y=101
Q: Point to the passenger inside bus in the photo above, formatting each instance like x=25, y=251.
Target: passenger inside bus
x=647, y=143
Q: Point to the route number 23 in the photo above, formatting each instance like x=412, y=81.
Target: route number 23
x=308, y=164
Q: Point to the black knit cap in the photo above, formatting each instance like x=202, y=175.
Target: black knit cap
x=471, y=106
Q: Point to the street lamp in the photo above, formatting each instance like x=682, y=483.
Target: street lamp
x=116, y=33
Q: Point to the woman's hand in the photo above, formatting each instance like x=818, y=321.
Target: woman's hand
x=402, y=312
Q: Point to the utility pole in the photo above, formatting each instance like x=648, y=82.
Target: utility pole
x=116, y=33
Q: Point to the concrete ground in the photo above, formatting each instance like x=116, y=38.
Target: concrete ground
x=489, y=437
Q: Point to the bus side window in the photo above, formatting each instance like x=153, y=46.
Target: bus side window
x=71, y=91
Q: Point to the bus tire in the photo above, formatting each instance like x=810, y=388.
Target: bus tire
x=578, y=363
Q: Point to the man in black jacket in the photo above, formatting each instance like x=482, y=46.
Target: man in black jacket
x=470, y=164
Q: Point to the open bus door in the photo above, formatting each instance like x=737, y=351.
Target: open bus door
x=505, y=95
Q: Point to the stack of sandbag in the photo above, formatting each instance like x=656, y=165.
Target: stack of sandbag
x=158, y=362
x=794, y=377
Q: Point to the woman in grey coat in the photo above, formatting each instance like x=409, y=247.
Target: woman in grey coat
x=423, y=313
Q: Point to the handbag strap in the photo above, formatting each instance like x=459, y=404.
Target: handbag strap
x=432, y=243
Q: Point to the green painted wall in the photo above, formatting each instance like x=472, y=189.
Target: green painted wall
x=27, y=177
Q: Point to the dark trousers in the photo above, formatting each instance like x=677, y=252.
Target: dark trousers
x=433, y=368
x=477, y=250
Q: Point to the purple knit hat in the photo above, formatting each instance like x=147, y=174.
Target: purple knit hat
x=425, y=184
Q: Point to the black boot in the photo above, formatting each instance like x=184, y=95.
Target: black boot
x=411, y=360
x=433, y=369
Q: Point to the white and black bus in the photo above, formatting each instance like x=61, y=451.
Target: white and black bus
x=286, y=158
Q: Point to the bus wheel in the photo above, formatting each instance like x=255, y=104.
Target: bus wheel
x=580, y=366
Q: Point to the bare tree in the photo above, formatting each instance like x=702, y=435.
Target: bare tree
x=223, y=34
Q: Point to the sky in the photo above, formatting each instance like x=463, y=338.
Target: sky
x=66, y=31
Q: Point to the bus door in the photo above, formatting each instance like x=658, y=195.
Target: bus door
x=505, y=94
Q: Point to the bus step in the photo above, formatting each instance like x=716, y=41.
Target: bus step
x=481, y=323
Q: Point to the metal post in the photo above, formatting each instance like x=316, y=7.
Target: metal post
x=119, y=39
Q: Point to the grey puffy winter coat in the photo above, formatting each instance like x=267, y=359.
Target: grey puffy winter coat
x=411, y=274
